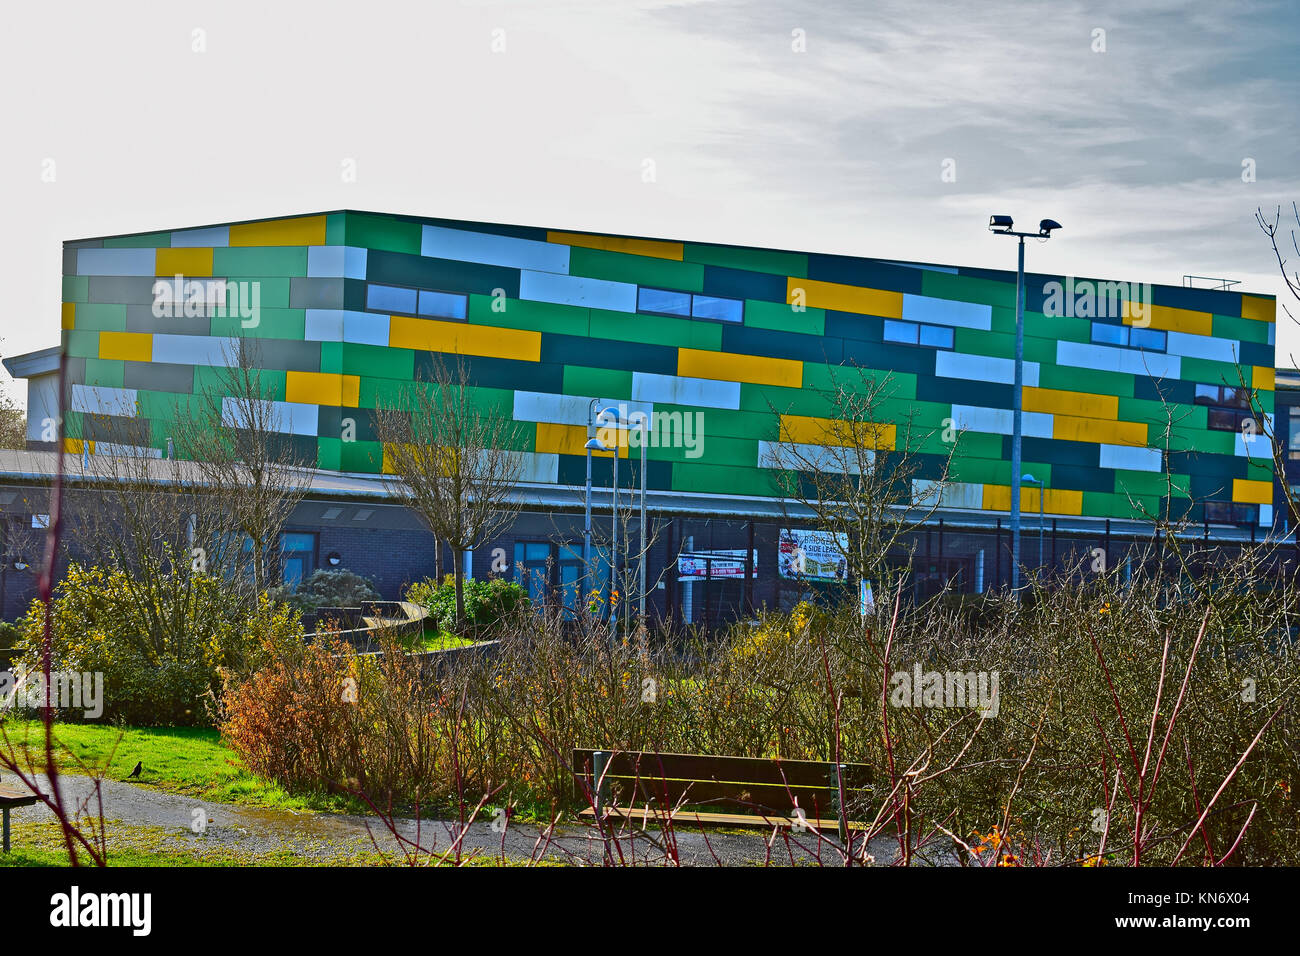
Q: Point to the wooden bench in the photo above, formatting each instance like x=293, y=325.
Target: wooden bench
x=783, y=793
x=11, y=797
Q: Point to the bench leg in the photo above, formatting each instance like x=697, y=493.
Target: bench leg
x=6, y=829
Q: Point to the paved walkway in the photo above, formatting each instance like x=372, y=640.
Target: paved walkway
x=137, y=813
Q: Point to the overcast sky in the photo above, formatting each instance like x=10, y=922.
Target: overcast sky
x=822, y=126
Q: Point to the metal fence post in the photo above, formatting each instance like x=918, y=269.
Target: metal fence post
x=836, y=773
x=599, y=787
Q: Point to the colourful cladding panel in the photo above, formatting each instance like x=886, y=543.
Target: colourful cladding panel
x=572, y=439
x=306, y=231
x=322, y=388
x=844, y=298
x=1169, y=319
x=1069, y=428
x=812, y=430
x=129, y=346
x=434, y=336
x=1252, y=492
x=1071, y=403
x=637, y=247
x=1259, y=308
x=186, y=262
x=1057, y=501
x=728, y=367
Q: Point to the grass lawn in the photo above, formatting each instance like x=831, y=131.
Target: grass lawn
x=184, y=760
x=432, y=639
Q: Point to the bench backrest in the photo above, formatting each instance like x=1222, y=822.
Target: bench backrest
x=744, y=783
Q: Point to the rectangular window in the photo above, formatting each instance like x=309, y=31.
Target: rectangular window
x=1230, y=512
x=297, y=557
x=904, y=332
x=714, y=307
x=1109, y=334
x=443, y=305
x=1153, y=340
x=1208, y=394
x=1223, y=396
x=686, y=305
x=664, y=301
x=1227, y=419
x=389, y=298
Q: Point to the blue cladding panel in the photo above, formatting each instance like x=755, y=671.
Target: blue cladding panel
x=740, y=284
x=576, y=290
x=494, y=249
x=115, y=262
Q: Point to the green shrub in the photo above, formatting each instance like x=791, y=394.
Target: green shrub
x=162, y=657
x=333, y=587
x=487, y=603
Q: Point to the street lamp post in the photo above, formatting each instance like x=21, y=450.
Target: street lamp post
x=1002, y=226
x=1042, y=493
x=609, y=415
x=640, y=588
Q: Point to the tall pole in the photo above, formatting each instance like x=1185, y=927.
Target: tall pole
x=586, y=521
x=640, y=590
x=613, y=547
x=1017, y=402
x=1042, y=495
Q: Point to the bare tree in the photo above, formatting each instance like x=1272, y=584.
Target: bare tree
x=861, y=475
x=1279, y=444
x=244, y=457
x=1273, y=229
x=13, y=424
x=454, y=462
x=150, y=518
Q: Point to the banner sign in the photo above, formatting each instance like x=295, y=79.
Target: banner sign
x=717, y=565
x=812, y=556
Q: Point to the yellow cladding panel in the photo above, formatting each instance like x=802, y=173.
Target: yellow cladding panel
x=1060, y=402
x=304, y=231
x=1059, y=501
x=130, y=346
x=844, y=298
x=572, y=439
x=1259, y=308
x=635, y=247
x=731, y=367
x=186, y=262
x=1070, y=428
x=1170, y=319
x=322, y=388
x=433, y=336
x=810, y=430
x=69, y=320
x=1263, y=377
x=1252, y=492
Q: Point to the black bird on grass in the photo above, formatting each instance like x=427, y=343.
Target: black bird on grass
x=136, y=772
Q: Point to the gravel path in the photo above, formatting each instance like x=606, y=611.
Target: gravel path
x=233, y=834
